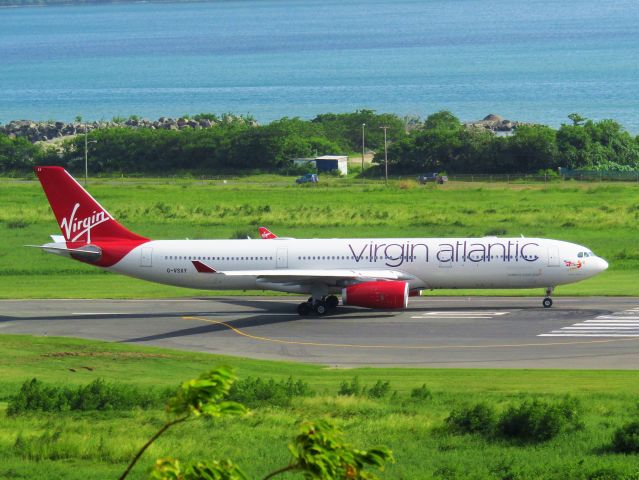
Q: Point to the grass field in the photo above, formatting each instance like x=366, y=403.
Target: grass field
x=97, y=445
x=602, y=216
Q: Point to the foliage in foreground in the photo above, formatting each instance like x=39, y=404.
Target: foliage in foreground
x=97, y=445
x=318, y=451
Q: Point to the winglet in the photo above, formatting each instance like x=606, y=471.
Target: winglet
x=266, y=234
x=202, y=267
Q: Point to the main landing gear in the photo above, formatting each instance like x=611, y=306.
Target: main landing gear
x=547, y=302
x=320, y=306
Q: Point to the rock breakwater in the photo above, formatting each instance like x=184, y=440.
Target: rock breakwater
x=51, y=130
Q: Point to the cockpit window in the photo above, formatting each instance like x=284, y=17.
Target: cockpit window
x=580, y=254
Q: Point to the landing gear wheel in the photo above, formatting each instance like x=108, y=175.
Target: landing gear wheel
x=332, y=302
x=547, y=302
x=304, y=308
x=320, y=308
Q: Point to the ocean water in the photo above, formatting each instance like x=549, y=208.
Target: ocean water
x=534, y=60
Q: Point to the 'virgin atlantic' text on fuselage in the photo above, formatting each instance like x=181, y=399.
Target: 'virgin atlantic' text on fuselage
x=396, y=254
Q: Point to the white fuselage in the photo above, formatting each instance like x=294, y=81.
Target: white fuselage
x=425, y=263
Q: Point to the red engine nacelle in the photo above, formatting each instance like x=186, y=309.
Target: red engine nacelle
x=391, y=294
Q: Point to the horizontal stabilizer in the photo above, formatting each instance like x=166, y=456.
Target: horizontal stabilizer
x=89, y=253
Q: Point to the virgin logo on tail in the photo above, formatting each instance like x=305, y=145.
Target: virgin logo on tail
x=266, y=234
x=78, y=227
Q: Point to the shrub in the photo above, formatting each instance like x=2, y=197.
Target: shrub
x=99, y=395
x=421, y=393
x=538, y=421
x=352, y=388
x=608, y=474
x=241, y=235
x=13, y=224
x=479, y=418
x=379, y=390
x=35, y=396
x=626, y=438
x=255, y=391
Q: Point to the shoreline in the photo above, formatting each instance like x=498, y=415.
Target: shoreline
x=97, y=3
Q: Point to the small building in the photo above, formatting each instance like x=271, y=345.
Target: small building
x=326, y=163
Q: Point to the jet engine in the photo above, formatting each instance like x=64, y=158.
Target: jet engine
x=385, y=294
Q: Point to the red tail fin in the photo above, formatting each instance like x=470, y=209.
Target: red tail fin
x=80, y=217
x=266, y=234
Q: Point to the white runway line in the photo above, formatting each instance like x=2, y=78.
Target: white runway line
x=619, y=324
x=459, y=315
x=602, y=335
x=607, y=327
x=102, y=313
x=449, y=317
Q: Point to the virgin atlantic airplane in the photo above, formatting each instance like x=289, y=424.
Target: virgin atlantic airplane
x=368, y=272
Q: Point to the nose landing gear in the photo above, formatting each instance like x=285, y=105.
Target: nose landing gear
x=547, y=302
x=320, y=306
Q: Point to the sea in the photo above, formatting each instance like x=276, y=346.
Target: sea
x=525, y=60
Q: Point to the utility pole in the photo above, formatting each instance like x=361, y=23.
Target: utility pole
x=385, y=155
x=363, y=146
x=86, y=156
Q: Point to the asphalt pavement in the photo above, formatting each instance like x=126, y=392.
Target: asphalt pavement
x=455, y=332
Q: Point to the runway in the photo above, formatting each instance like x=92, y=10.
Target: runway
x=453, y=332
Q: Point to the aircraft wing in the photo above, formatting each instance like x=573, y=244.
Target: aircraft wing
x=336, y=277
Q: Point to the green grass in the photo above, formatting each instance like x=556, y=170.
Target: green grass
x=97, y=445
x=602, y=216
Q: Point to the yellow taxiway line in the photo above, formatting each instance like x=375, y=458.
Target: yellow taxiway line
x=399, y=347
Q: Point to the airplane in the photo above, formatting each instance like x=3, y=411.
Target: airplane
x=367, y=272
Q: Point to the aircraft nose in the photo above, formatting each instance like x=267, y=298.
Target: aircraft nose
x=601, y=265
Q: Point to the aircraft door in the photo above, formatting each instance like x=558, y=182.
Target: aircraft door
x=553, y=256
x=146, y=257
x=281, y=258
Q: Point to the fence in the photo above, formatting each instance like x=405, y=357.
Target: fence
x=591, y=175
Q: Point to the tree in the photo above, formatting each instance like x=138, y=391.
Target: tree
x=345, y=129
x=596, y=143
x=17, y=154
x=577, y=119
x=533, y=148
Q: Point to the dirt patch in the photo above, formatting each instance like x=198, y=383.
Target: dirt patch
x=116, y=355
